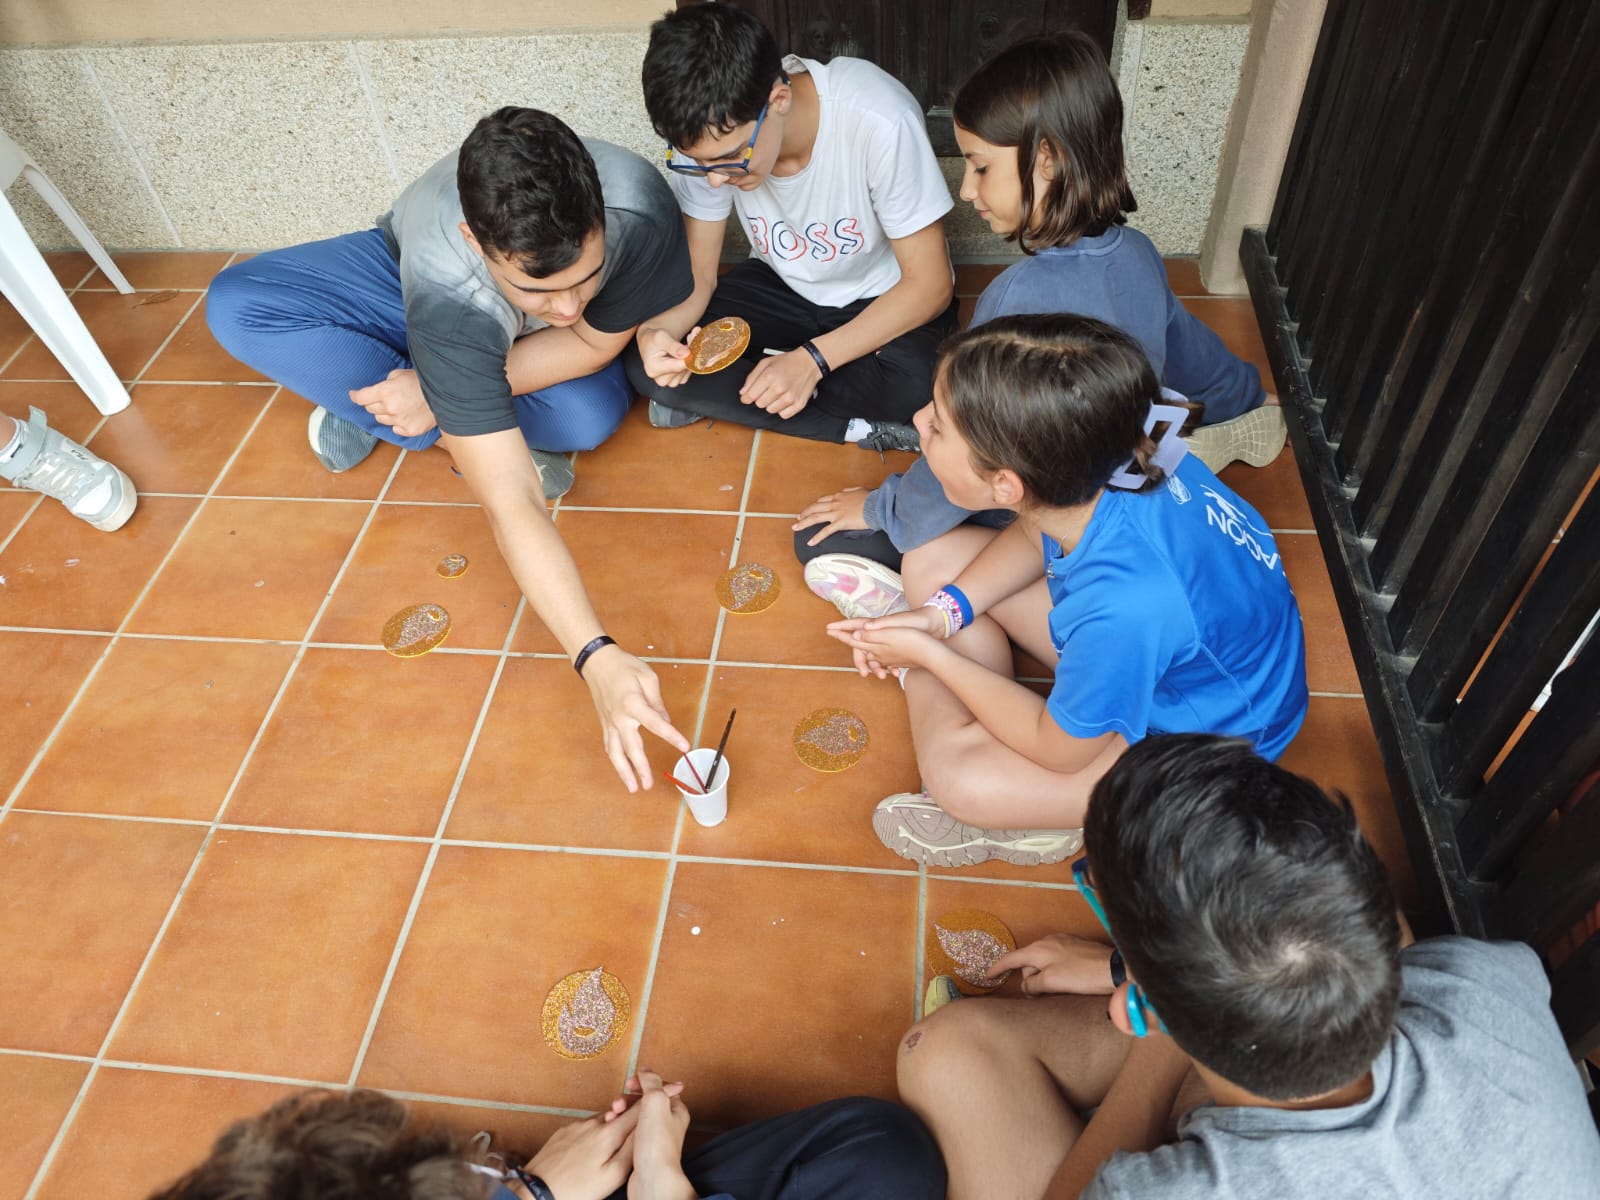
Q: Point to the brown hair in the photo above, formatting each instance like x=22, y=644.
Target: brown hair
x=1057, y=398
x=320, y=1145
x=1054, y=91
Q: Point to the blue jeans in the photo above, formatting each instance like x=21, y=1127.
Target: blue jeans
x=327, y=317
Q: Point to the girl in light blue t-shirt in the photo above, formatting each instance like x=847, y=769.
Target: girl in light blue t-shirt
x=1156, y=594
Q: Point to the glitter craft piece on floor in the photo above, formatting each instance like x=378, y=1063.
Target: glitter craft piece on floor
x=585, y=1014
x=748, y=588
x=452, y=566
x=962, y=944
x=415, y=630
x=718, y=345
x=830, y=739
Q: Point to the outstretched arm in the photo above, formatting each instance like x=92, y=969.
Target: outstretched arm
x=626, y=693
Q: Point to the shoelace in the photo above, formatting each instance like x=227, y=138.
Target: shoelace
x=60, y=471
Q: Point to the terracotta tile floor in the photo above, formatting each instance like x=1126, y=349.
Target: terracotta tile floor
x=243, y=849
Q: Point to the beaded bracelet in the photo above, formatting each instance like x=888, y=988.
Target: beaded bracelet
x=957, y=609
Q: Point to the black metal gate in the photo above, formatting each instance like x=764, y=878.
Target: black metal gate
x=1427, y=289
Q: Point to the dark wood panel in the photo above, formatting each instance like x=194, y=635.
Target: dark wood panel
x=930, y=47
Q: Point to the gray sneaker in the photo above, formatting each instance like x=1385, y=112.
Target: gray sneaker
x=662, y=417
x=337, y=443
x=891, y=435
x=92, y=489
x=555, y=473
x=914, y=827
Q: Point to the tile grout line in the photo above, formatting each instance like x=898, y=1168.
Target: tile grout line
x=699, y=728
x=917, y=949
x=206, y=840
x=435, y=843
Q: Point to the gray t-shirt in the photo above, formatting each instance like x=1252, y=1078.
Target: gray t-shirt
x=459, y=326
x=1473, y=1097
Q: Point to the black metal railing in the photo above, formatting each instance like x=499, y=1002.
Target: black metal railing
x=1429, y=290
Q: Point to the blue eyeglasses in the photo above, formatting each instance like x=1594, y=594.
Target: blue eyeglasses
x=1140, y=1011
x=738, y=165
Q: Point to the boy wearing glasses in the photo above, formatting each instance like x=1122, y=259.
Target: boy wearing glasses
x=485, y=312
x=1259, y=948
x=848, y=287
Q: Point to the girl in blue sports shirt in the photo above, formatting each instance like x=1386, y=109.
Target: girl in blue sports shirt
x=1155, y=592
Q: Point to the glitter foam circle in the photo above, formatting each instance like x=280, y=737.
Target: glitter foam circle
x=830, y=739
x=748, y=588
x=962, y=944
x=585, y=1014
x=415, y=630
x=452, y=566
x=718, y=345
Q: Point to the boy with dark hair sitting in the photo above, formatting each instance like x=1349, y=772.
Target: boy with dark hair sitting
x=848, y=287
x=1257, y=943
x=345, y=1146
x=485, y=312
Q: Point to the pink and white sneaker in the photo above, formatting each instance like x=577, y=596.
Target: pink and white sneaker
x=856, y=586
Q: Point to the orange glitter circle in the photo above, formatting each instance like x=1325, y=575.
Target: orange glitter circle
x=718, y=345
x=748, y=588
x=415, y=630
x=962, y=944
x=585, y=1014
x=830, y=739
x=452, y=566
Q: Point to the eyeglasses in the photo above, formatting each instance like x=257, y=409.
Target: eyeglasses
x=1140, y=1011
x=738, y=165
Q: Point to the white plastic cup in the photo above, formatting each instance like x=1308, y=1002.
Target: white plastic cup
x=712, y=807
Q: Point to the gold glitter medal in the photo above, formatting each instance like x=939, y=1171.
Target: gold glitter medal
x=718, y=345
x=748, y=588
x=962, y=944
x=452, y=566
x=415, y=630
x=830, y=739
x=585, y=1014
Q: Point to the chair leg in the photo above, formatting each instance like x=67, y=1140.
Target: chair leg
x=26, y=281
x=52, y=196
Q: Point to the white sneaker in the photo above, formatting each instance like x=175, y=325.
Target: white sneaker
x=1254, y=439
x=48, y=462
x=914, y=827
x=856, y=586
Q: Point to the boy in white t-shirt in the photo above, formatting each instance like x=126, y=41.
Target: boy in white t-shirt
x=848, y=288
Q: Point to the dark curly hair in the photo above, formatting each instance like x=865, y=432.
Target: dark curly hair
x=708, y=69
x=529, y=190
x=320, y=1145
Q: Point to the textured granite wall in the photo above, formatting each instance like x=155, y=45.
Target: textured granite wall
x=247, y=145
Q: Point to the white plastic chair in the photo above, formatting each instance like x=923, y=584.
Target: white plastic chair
x=26, y=281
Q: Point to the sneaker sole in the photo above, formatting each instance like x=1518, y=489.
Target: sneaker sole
x=894, y=835
x=1255, y=439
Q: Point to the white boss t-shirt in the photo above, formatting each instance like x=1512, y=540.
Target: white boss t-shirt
x=872, y=177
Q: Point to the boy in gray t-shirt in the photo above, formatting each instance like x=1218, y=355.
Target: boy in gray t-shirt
x=1272, y=978
x=486, y=312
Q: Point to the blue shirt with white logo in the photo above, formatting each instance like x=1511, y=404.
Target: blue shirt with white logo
x=1173, y=615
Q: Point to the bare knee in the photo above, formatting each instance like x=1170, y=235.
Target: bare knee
x=938, y=1051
